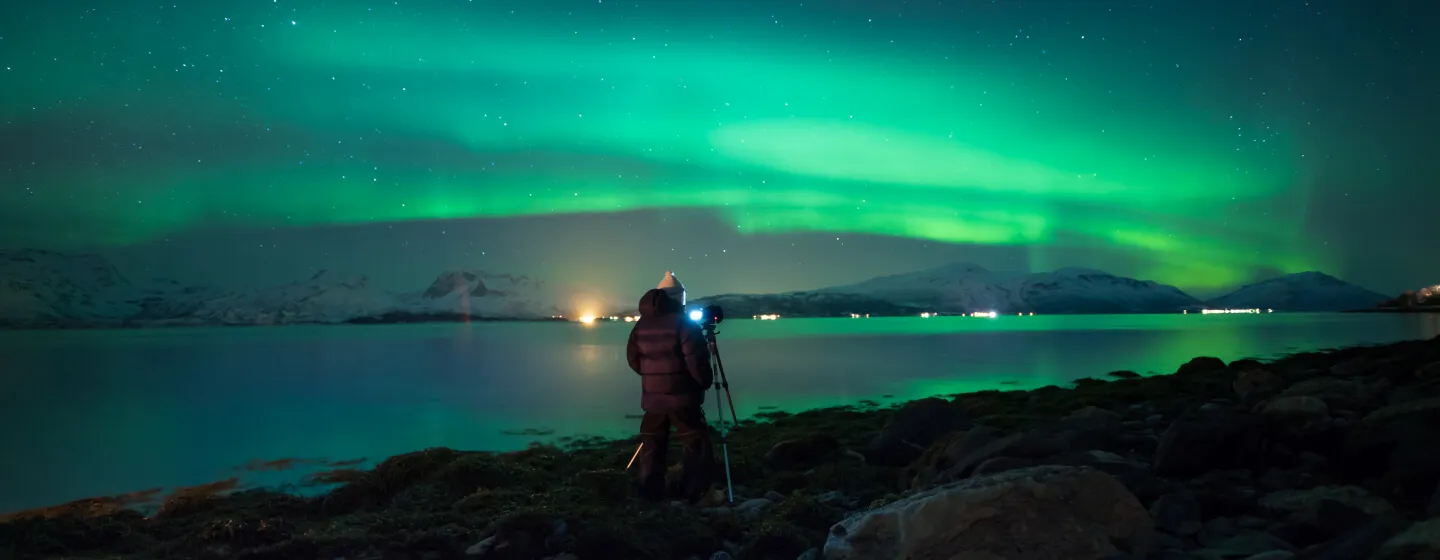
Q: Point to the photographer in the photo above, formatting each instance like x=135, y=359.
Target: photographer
x=669, y=352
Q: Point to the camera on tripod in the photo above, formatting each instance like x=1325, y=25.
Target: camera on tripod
x=708, y=316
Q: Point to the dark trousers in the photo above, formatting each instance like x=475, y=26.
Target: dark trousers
x=699, y=461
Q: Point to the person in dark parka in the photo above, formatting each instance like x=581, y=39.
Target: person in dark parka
x=670, y=353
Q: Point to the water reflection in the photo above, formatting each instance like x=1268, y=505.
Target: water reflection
x=97, y=412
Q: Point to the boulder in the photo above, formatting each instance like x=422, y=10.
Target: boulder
x=1359, y=365
x=1225, y=492
x=1297, y=416
x=1176, y=514
x=1304, y=506
x=753, y=508
x=1204, y=441
x=1421, y=540
x=1353, y=394
x=1243, y=364
x=1415, y=392
x=913, y=428
x=1257, y=382
x=958, y=456
x=1203, y=364
x=1397, y=444
x=1047, y=512
x=1242, y=544
x=1360, y=542
x=1273, y=555
x=1002, y=464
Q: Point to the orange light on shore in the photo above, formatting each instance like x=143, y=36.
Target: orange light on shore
x=587, y=319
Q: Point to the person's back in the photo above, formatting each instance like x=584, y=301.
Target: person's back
x=670, y=354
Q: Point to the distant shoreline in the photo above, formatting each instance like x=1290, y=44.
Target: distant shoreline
x=405, y=318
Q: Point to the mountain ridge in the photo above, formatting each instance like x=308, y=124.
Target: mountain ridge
x=968, y=287
x=1309, y=291
x=47, y=289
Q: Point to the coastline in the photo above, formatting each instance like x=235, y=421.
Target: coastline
x=1214, y=457
x=407, y=318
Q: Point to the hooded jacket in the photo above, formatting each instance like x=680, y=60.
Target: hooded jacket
x=670, y=354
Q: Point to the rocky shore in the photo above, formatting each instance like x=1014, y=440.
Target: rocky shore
x=1327, y=455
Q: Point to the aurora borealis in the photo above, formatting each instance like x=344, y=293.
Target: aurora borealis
x=1200, y=146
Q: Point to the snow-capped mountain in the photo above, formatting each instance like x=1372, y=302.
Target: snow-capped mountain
x=1302, y=291
x=965, y=287
x=43, y=289
x=325, y=297
x=482, y=294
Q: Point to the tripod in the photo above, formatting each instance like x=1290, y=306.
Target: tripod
x=721, y=383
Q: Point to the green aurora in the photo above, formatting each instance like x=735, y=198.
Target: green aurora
x=512, y=112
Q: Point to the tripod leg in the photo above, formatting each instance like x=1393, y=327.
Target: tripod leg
x=724, y=381
x=725, y=452
x=724, y=440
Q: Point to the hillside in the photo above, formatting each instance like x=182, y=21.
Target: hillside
x=49, y=289
x=1303, y=291
x=44, y=289
x=965, y=287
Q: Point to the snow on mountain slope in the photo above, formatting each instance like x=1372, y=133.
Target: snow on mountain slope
x=45, y=288
x=323, y=298
x=953, y=287
x=1081, y=290
x=1303, y=291
x=330, y=298
x=483, y=294
x=965, y=287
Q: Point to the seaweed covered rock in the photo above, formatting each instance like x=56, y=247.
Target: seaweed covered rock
x=802, y=453
x=914, y=427
x=1041, y=512
x=1203, y=364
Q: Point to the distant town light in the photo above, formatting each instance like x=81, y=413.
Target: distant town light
x=587, y=319
x=1224, y=311
x=767, y=317
x=925, y=315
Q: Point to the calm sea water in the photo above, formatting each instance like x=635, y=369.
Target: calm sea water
x=88, y=413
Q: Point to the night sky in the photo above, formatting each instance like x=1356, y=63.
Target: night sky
x=749, y=146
